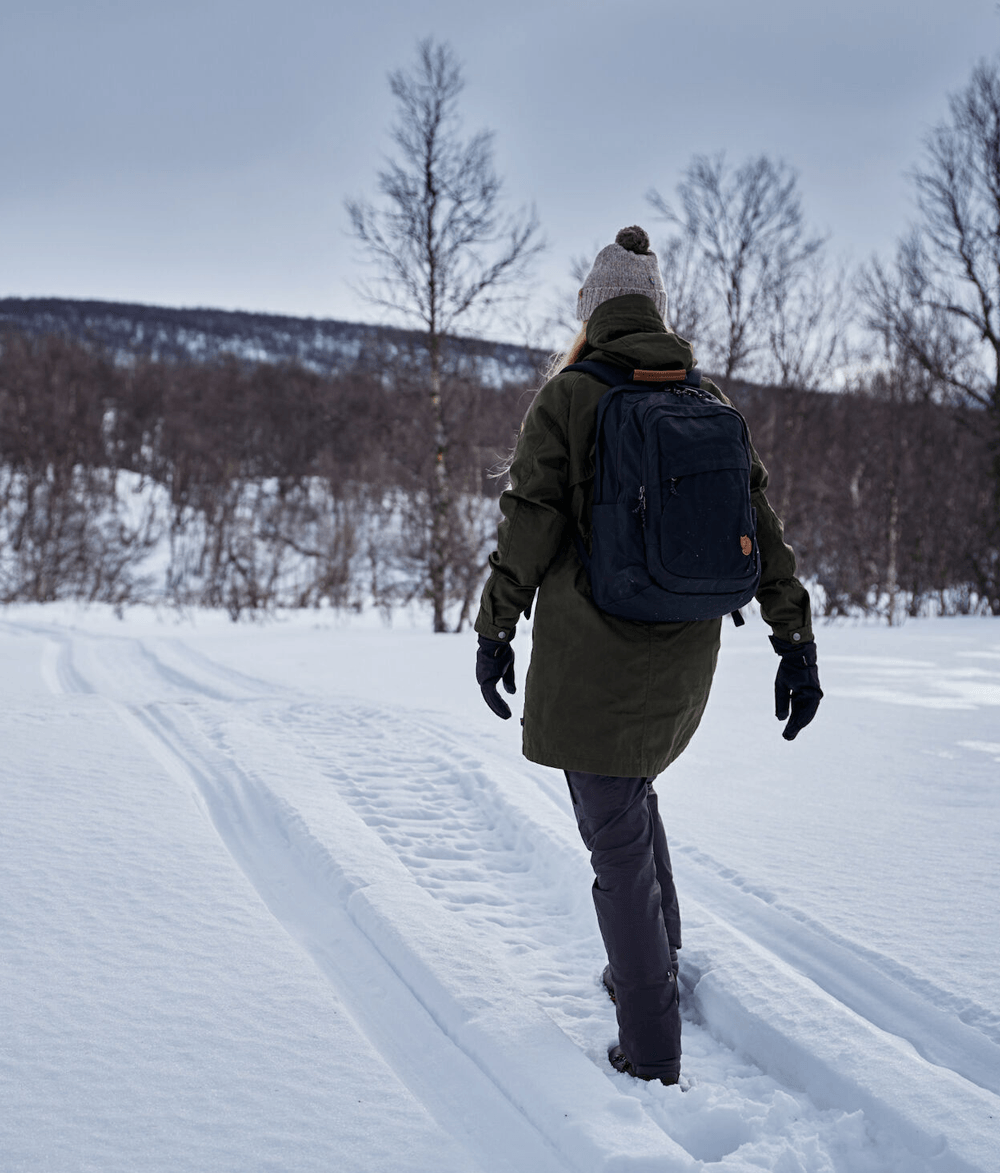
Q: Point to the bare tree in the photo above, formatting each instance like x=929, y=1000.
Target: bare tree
x=940, y=300
x=807, y=327
x=743, y=230
x=938, y=303
x=689, y=302
x=442, y=247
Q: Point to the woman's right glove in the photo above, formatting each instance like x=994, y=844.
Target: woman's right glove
x=796, y=685
x=494, y=662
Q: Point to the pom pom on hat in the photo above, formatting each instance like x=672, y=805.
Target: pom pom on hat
x=634, y=239
x=627, y=266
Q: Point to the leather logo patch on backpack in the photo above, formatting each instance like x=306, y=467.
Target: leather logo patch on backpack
x=746, y=545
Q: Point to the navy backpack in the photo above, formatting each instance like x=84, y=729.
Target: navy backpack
x=673, y=533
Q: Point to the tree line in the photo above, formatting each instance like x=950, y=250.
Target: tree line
x=236, y=485
x=251, y=486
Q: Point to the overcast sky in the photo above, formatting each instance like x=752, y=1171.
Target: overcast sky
x=198, y=152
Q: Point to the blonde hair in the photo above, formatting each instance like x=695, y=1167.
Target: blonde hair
x=557, y=363
x=571, y=355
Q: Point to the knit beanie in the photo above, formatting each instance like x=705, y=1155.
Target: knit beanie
x=627, y=266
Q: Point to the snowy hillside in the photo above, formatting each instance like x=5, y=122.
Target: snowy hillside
x=323, y=345
x=287, y=897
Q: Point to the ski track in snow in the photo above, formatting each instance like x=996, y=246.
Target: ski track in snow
x=877, y=989
x=495, y=849
x=267, y=840
x=260, y=832
x=441, y=813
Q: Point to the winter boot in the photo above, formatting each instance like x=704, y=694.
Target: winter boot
x=621, y=1062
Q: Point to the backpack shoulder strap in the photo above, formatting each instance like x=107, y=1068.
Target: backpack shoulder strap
x=613, y=376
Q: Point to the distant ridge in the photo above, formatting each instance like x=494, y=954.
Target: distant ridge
x=324, y=345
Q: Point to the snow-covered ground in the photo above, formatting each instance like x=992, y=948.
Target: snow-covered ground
x=287, y=897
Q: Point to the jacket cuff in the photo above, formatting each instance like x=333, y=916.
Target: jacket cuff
x=794, y=636
x=502, y=633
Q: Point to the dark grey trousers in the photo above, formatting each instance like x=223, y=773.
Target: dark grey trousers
x=637, y=912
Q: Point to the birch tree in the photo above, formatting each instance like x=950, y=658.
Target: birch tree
x=444, y=251
x=740, y=248
x=938, y=303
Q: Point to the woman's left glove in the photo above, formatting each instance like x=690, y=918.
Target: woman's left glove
x=796, y=686
x=495, y=662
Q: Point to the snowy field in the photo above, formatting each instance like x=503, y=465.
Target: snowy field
x=287, y=897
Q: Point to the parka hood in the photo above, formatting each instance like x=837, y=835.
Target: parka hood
x=627, y=331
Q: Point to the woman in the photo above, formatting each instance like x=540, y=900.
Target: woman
x=610, y=701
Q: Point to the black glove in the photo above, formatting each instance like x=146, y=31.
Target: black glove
x=797, y=682
x=495, y=661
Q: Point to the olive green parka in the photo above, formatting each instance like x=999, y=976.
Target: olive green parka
x=606, y=695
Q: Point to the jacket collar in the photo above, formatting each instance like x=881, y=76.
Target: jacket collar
x=627, y=331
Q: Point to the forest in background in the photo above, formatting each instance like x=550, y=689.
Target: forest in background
x=256, y=485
